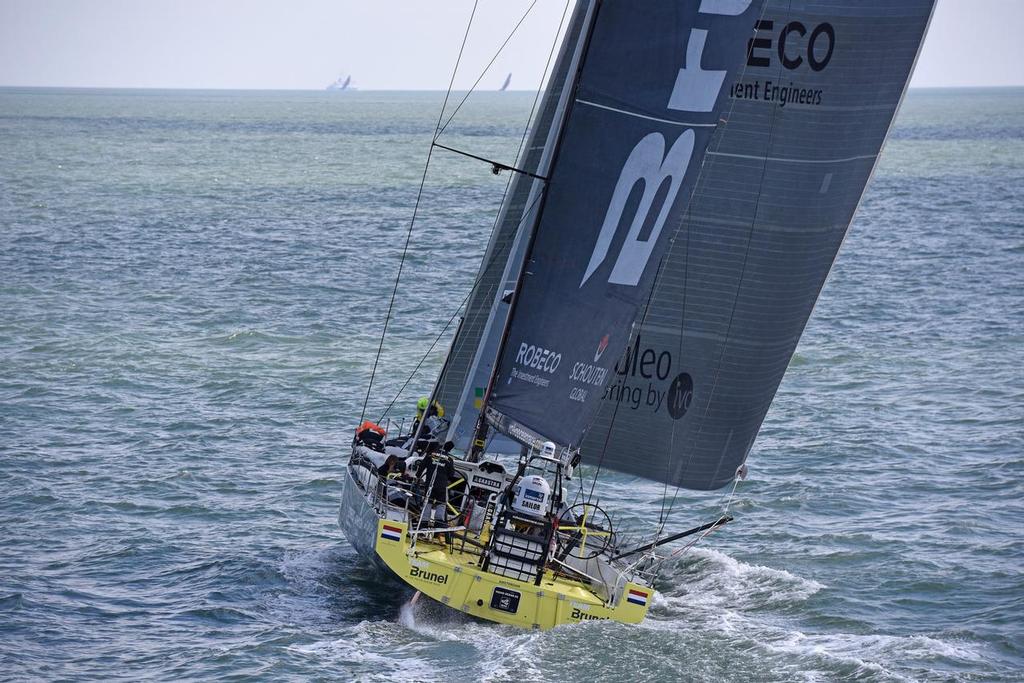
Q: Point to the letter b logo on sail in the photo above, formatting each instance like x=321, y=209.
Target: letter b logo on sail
x=696, y=89
x=649, y=163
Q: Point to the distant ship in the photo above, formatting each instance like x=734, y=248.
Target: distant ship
x=341, y=84
x=504, y=86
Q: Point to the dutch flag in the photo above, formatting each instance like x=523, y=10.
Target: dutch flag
x=392, y=533
x=637, y=597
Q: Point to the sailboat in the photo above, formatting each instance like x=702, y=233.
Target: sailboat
x=341, y=83
x=508, y=81
x=689, y=178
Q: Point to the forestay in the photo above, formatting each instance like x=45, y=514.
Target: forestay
x=653, y=83
x=779, y=187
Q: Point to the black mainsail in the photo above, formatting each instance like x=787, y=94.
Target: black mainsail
x=780, y=186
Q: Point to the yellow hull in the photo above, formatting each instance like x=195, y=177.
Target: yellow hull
x=455, y=578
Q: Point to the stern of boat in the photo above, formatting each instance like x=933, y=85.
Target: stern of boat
x=452, y=575
x=357, y=517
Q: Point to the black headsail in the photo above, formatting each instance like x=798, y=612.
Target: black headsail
x=779, y=189
x=650, y=93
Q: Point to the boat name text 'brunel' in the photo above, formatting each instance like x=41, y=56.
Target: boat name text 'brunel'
x=417, y=573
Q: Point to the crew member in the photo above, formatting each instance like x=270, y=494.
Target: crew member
x=371, y=435
x=421, y=408
x=433, y=424
x=393, y=466
x=437, y=471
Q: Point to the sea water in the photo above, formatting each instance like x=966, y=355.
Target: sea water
x=192, y=288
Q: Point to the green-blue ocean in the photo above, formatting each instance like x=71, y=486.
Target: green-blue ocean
x=192, y=287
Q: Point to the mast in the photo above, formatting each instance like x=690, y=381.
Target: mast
x=589, y=8
x=475, y=350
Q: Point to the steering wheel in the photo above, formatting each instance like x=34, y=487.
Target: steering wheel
x=584, y=531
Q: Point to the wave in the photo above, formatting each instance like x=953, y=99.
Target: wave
x=705, y=578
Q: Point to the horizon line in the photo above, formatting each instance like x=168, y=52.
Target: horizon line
x=363, y=89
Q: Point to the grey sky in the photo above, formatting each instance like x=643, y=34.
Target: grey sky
x=384, y=44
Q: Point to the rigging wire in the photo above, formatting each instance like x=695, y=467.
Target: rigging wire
x=566, y=103
x=447, y=325
x=697, y=539
x=615, y=411
x=483, y=73
x=415, y=210
x=521, y=160
x=424, y=358
x=730, y=496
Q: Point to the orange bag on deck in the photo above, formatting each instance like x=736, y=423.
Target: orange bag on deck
x=373, y=427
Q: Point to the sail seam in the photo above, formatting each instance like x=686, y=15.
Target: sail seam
x=791, y=160
x=645, y=116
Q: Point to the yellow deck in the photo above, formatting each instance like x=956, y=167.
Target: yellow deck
x=455, y=579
